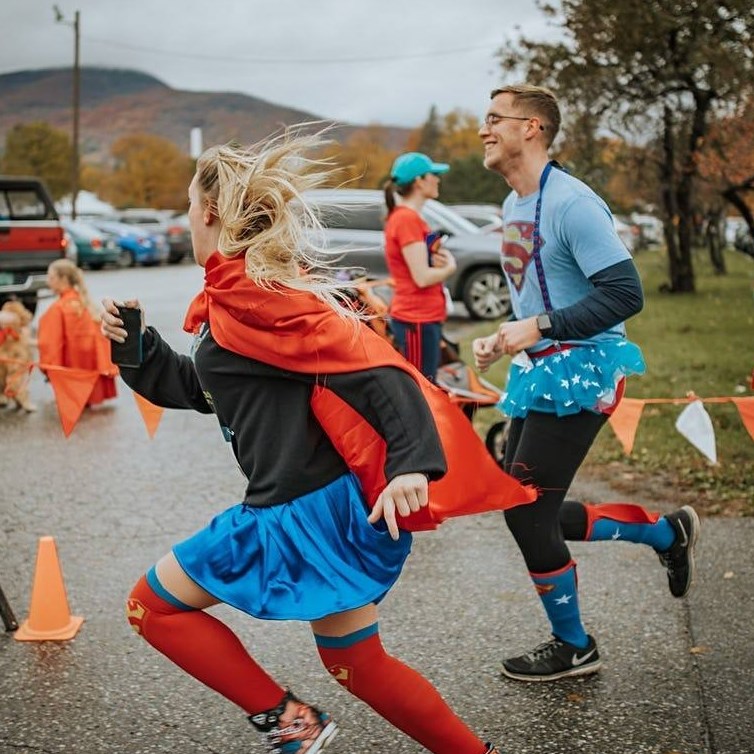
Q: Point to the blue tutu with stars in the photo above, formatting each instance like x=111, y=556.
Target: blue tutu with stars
x=570, y=379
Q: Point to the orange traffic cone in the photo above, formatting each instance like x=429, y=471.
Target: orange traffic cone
x=49, y=616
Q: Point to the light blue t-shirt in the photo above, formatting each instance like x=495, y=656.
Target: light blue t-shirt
x=578, y=240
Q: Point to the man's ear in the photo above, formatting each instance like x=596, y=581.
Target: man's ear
x=534, y=127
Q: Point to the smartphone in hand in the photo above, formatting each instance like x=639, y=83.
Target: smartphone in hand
x=128, y=353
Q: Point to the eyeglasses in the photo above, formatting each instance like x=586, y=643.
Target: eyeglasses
x=492, y=119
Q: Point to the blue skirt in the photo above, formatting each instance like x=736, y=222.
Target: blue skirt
x=314, y=556
x=580, y=378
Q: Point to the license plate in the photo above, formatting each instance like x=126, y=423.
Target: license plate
x=6, y=278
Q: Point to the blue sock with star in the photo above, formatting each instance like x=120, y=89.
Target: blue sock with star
x=558, y=591
x=630, y=523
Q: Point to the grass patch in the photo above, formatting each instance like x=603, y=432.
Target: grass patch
x=701, y=343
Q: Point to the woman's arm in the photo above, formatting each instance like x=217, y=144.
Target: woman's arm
x=392, y=403
x=416, y=256
x=165, y=378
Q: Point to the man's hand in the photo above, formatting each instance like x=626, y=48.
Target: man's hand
x=516, y=336
x=406, y=494
x=486, y=351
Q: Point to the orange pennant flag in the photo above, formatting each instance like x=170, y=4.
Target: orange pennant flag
x=745, y=408
x=72, y=388
x=625, y=421
x=150, y=413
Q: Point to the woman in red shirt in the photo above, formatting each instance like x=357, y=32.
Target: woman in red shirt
x=417, y=261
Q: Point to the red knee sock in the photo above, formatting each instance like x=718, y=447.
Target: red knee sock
x=204, y=647
x=397, y=692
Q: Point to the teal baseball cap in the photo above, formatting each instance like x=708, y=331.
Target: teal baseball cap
x=412, y=165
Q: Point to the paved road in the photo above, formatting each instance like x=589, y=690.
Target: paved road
x=678, y=674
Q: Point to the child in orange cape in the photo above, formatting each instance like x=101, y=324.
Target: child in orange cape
x=69, y=331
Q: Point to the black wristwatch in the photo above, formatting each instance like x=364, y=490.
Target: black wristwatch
x=544, y=324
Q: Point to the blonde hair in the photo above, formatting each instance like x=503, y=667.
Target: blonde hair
x=256, y=193
x=74, y=276
x=537, y=101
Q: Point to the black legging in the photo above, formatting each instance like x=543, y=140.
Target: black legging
x=546, y=450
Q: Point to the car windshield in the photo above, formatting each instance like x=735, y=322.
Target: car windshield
x=441, y=217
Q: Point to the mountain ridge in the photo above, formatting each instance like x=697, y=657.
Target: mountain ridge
x=119, y=101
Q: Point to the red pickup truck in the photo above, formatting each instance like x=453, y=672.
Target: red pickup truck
x=31, y=237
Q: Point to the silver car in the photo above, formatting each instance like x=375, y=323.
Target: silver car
x=354, y=221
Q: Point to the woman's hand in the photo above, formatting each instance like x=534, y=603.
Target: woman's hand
x=112, y=324
x=443, y=259
x=406, y=494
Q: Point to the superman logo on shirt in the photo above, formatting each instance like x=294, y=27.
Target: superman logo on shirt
x=516, y=253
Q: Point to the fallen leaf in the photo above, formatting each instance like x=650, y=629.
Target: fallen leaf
x=574, y=697
x=700, y=650
x=728, y=575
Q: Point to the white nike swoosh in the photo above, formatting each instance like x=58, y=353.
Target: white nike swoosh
x=576, y=660
x=685, y=541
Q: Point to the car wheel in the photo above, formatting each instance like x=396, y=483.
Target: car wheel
x=126, y=259
x=175, y=258
x=96, y=265
x=485, y=294
x=496, y=439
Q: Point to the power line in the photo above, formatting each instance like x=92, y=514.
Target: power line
x=289, y=61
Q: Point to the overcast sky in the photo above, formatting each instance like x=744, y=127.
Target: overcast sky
x=362, y=61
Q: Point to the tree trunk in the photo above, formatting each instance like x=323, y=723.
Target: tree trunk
x=667, y=182
x=714, y=241
x=683, y=282
x=733, y=195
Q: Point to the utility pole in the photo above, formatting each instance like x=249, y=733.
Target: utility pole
x=60, y=18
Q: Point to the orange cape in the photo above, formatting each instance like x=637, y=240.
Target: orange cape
x=295, y=330
x=68, y=336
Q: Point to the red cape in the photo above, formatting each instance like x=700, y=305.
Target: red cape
x=295, y=330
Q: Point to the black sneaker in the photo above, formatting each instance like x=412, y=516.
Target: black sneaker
x=679, y=559
x=294, y=727
x=552, y=660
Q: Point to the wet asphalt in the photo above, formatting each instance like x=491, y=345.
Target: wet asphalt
x=677, y=675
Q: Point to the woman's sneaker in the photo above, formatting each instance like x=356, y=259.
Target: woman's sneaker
x=679, y=559
x=552, y=660
x=294, y=727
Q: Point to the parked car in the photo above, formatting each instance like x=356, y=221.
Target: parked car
x=175, y=230
x=487, y=217
x=31, y=237
x=627, y=233
x=179, y=239
x=744, y=241
x=354, y=219
x=95, y=248
x=137, y=246
x=651, y=232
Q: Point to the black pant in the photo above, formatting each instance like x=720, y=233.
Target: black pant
x=546, y=450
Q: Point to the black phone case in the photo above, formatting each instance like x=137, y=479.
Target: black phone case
x=128, y=354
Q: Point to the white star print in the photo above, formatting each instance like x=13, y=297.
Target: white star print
x=616, y=535
x=564, y=600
